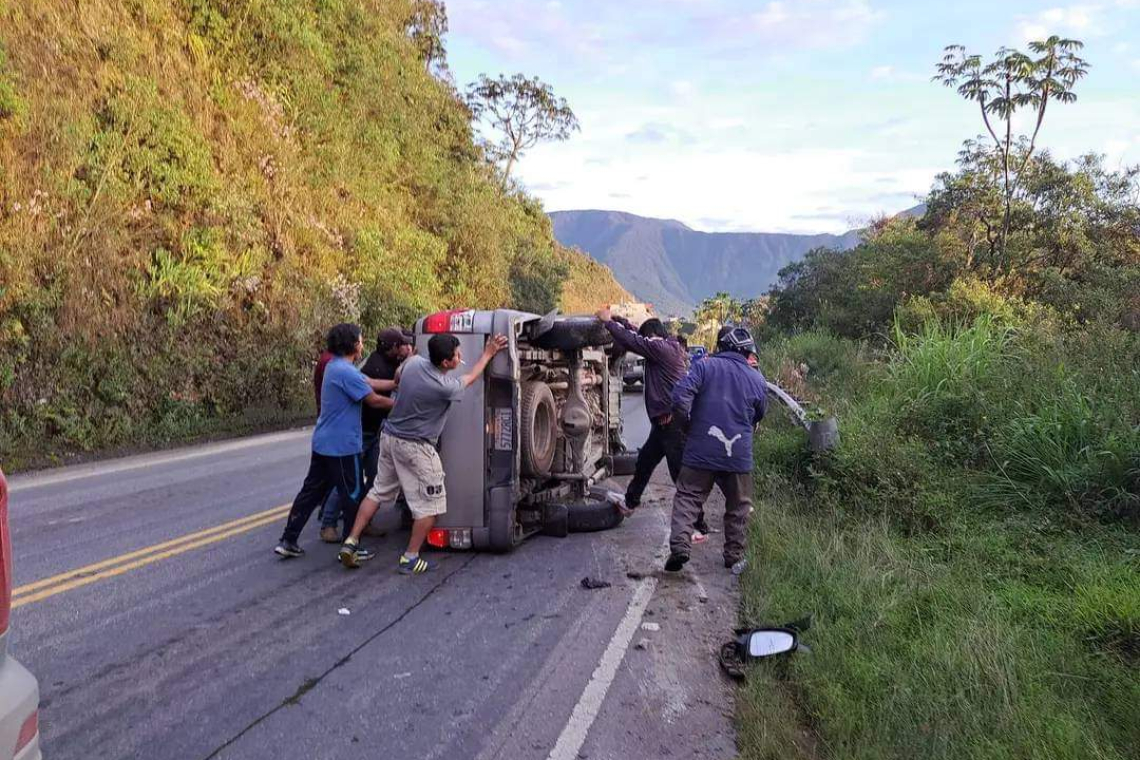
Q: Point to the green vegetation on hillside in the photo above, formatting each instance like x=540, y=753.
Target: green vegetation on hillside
x=191, y=191
x=970, y=551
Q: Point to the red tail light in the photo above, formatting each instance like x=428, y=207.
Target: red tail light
x=28, y=731
x=456, y=320
x=5, y=557
x=437, y=537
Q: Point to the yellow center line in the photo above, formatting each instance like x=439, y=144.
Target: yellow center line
x=90, y=573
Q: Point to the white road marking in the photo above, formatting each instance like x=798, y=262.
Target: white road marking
x=573, y=735
x=79, y=472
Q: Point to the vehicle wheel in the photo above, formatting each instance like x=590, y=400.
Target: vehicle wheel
x=591, y=515
x=623, y=463
x=538, y=429
x=556, y=521
x=574, y=333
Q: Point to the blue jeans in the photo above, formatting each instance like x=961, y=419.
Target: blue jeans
x=332, y=509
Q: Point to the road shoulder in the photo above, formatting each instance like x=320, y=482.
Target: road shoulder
x=668, y=697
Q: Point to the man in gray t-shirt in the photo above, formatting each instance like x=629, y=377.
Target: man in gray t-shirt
x=426, y=393
x=408, y=459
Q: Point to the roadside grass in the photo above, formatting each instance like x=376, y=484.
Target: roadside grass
x=992, y=641
x=952, y=619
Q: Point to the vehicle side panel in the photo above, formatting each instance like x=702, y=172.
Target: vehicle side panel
x=463, y=444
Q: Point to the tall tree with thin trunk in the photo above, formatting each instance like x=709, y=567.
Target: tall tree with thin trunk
x=426, y=27
x=520, y=113
x=1013, y=81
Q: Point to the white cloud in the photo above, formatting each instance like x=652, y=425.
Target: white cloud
x=731, y=189
x=1073, y=20
x=727, y=122
x=810, y=23
x=517, y=28
x=682, y=88
x=891, y=74
x=1116, y=147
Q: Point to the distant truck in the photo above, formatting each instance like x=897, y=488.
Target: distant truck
x=527, y=445
x=633, y=370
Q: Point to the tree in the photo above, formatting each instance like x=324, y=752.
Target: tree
x=1012, y=81
x=1074, y=239
x=713, y=312
x=521, y=112
x=426, y=27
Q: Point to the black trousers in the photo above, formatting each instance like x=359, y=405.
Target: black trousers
x=664, y=442
x=345, y=475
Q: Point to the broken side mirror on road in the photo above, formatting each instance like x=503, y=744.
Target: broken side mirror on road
x=766, y=642
x=762, y=642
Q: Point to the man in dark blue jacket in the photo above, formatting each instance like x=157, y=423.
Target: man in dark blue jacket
x=722, y=399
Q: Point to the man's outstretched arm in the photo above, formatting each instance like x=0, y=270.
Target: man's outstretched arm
x=494, y=346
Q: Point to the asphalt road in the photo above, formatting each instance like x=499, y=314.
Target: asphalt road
x=160, y=625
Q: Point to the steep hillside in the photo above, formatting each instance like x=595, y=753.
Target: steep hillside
x=192, y=190
x=674, y=267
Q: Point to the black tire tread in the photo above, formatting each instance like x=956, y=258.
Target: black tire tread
x=534, y=394
x=591, y=515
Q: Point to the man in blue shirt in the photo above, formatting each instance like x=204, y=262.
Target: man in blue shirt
x=720, y=401
x=338, y=445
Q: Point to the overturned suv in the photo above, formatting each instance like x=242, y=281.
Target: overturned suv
x=525, y=447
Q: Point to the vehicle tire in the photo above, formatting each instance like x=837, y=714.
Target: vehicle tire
x=591, y=515
x=573, y=334
x=538, y=429
x=556, y=521
x=623, y=463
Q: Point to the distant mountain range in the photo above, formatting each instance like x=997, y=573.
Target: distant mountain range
x=674, y=267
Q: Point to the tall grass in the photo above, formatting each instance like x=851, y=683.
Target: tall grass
x=940, y=378
x=969, y=551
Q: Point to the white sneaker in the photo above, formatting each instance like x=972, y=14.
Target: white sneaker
x=699, y=538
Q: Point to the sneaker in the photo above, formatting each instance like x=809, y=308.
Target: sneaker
x=737, y=566
x=415, y=566
x=699, y=537
x=374, y=532
x=702, y=526
x=676, y=562
x=330, y=535
x=288, y=549
x=363, y=555
x=347, y=554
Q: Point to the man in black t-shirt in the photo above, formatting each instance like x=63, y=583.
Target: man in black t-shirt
x=393, y=346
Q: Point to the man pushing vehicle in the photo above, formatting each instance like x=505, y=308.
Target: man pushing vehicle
x=409, y=458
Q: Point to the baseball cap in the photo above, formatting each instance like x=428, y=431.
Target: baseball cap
x=393, y=336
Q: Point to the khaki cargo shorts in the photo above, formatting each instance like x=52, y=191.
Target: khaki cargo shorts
x=415, y=468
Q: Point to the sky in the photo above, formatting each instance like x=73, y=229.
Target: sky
x=783, y=115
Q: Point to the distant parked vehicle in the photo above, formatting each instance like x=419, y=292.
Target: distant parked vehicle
x=19, y=692
x=632, y=370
